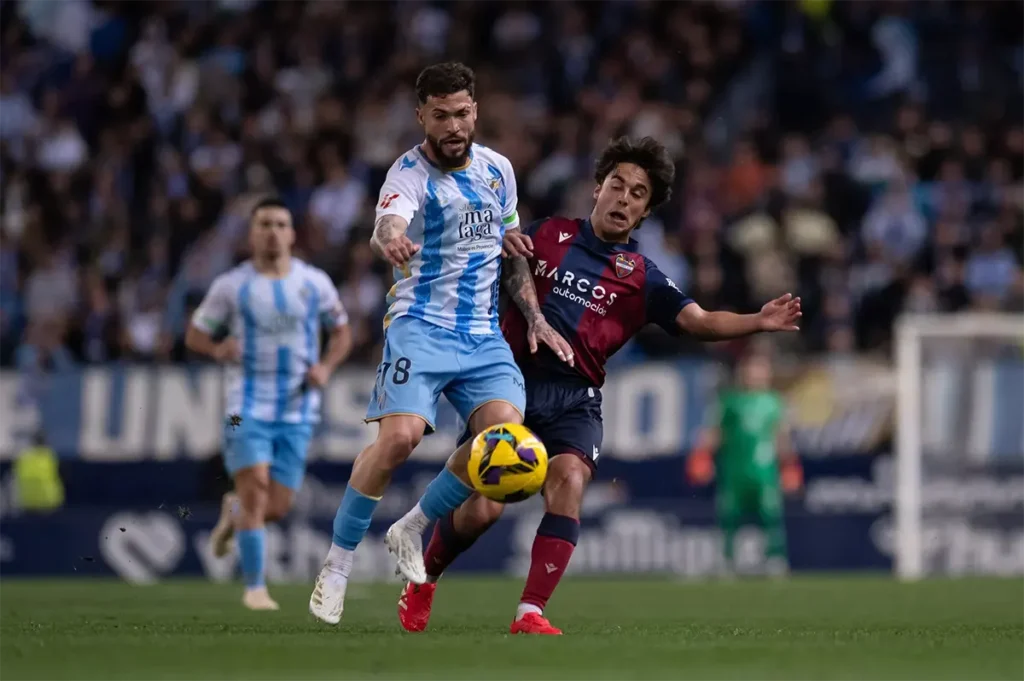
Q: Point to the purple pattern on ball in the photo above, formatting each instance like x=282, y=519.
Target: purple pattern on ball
x=492, y=476
x=527, y=454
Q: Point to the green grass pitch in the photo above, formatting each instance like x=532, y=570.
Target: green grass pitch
x=805, y=628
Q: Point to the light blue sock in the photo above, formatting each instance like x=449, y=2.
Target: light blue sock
x=444, y=493
x=251, y=549
x=353, y=518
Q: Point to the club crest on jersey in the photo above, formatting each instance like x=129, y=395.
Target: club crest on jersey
x=497, y=184
x=624, y=266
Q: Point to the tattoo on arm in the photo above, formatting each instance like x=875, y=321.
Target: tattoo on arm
x=387, y=228
x=519, y=284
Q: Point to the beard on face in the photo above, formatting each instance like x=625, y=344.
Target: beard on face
x=445, y=159
x=269, y=253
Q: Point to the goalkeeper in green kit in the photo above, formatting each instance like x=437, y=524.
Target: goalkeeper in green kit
x=747, y=448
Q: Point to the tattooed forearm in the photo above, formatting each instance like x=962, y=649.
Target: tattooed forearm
x=519, y=284
x=387, y=228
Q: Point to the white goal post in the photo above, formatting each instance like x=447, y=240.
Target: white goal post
x=911, y=332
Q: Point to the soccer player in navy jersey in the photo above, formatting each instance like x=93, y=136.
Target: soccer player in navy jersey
x=597, y=291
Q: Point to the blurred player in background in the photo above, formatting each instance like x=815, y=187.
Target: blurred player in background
x=743, y=447
x=443, y=211
x=266, y=315
x=598, y=291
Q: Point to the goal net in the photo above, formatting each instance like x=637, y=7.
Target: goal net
x=959, y=498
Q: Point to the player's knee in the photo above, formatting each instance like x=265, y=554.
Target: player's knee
x=254, y=495
x=278, y=506
x=478, y=513
x=493, y=414
x=568, y=476
x=274, y=512
x=396, y=442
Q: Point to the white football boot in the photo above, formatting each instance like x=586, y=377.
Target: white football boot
x=258, y=598
x=406, y=545
x=328, y=598
x=224, y=530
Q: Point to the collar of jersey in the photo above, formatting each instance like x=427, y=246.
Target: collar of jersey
x=423, y=155
x=587, y=230
x=292, y=262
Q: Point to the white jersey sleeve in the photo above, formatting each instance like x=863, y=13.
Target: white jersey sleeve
x=214, y=314
x=403, y=189
x=331, y=311
x=510, y=200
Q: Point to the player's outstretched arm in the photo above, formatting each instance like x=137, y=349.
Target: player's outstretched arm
x=781, y=314
x=390, y=242
x=518, y=283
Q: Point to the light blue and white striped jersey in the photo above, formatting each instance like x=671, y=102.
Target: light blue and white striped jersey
x=459, y=218
x=277, y=323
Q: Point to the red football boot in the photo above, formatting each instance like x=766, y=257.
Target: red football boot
x=534, y=623
x=414, y=606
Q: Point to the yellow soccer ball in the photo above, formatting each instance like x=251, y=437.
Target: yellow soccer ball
x=508, y=463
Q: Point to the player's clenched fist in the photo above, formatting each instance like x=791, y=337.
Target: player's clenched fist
x=318, y=375
x=515, y=244
x=228, y=350
x=399, y=250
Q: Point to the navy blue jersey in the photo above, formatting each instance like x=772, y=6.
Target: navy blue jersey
x=596, y=294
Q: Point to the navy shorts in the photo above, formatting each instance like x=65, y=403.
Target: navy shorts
x=566, y=418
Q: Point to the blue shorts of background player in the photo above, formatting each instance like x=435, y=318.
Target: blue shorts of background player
x=282, y=446
x=422, y=361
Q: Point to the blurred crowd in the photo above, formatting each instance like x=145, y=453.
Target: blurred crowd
x=878, y=168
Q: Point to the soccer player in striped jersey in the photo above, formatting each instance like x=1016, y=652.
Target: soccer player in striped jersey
x=441, y=218
x=264, y=319
x=598, y=291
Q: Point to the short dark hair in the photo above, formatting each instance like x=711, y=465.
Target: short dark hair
x=269, y=202
x=441, y=80
x=649, y=154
